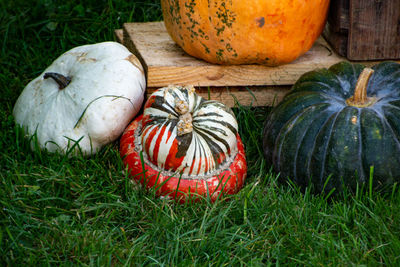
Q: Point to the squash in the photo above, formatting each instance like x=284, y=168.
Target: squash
x=185, y=146
x=270, y=32
x=87, y=96
x=330, y=133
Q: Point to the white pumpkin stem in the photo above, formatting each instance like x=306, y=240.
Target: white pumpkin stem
x=360, y=98
x=60, y=79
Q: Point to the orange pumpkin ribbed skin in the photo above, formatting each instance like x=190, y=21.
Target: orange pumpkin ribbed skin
x=269, y=32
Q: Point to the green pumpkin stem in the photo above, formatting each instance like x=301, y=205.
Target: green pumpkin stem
x=360, y=98
x=60, y=79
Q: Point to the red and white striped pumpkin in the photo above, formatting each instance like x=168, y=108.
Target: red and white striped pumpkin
x=188, y=145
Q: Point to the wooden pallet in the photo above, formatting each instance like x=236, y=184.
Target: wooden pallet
x=166, y=63
x=364, y=30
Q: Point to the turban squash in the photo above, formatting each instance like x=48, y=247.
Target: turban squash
x=185, y=146
x=336, y=126
x=270, y=32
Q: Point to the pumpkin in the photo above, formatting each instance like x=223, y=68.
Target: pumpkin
x=270, y=32
x=87, y=96
x=337, y=128
x=185, y=146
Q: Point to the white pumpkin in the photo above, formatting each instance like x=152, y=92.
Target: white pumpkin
x=87, y=95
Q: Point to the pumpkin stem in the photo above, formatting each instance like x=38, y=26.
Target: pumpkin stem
x=360, y=98
x=185, y=119
x=60, y=79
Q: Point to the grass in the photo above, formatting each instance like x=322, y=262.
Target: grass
x=56, y=210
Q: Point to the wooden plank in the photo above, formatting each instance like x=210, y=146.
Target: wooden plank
x=119, y=35
x=338, y=16
x=231, y=96
x=337, y=40
x=246, y=96
x=374, y=30
x=166, y=63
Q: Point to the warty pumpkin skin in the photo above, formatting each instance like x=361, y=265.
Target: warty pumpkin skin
x=316, y=132
x=270, y=32
x=185, y=146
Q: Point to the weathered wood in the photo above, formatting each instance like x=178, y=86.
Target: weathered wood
x=245, y=96
x=337, y=40
x=119, y=35
x=338, y=16
x=166, y=63
x=374, y=30
x=337, y=26
x=231, y=96
x=364, y=30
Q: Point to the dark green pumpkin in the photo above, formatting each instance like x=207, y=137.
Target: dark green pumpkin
x=316, y=132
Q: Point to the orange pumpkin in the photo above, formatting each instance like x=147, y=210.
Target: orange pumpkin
x=270, y=32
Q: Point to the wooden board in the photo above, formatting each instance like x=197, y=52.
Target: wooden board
x=245, y=96
x=338, y=16
x=119, y=36
x=166, y=63
x=374, y=30
x=231, y=96
x=364, y=30
x=336, y=39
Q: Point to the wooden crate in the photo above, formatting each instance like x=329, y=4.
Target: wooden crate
x=364, y=30
x=166, y=63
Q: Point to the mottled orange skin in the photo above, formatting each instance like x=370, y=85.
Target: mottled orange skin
x=269, y=32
